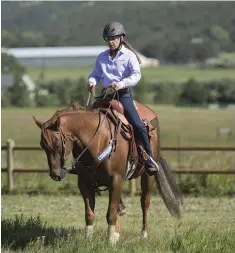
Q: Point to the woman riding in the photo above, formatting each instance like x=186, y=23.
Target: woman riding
x=119, y=66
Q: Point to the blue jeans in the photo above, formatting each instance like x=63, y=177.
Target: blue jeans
x=140, y=130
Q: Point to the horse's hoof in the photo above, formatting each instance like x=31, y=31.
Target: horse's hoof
x=114, y=238
x=89, y=231
x=113, y=235
x=144, y=234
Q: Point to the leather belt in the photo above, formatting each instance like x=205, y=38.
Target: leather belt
x=125, y=90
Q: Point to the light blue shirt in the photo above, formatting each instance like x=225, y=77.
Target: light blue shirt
x=123, y=69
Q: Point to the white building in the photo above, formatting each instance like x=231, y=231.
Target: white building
x=65, y=56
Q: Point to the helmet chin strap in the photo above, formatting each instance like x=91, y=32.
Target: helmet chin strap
x=120, y=45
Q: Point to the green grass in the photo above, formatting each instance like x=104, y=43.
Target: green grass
x=163, y=73
x=179, y=126
x=193, y=126
x=33, y=224
x=230, y=56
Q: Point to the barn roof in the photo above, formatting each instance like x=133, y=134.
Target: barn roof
x=51, y=52
x=68, y=52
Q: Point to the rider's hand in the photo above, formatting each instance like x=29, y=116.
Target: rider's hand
x=91, y=85
x=117, y=86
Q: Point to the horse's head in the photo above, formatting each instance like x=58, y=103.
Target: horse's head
x=57, y=144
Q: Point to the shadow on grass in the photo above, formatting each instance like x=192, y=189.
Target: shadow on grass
x=19, y=232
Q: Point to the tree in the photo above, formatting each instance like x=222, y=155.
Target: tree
x=11, y=65
x=193, y=93
x=20, y=95
x=220, y=35
x=80, y=92
x=140, y=91
x=9, y=39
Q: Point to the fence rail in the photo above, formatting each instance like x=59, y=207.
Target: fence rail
x=162, y=148
x=10, y=169
x=183, y=170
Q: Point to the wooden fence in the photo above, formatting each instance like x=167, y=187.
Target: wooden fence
x=10, y=169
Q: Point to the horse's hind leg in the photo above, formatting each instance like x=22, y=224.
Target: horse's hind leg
x=146, y=187
x=88, y=194
x=115, y=189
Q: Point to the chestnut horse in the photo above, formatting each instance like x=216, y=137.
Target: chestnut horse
x=87, y=134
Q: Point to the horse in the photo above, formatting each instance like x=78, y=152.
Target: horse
x=101, y=146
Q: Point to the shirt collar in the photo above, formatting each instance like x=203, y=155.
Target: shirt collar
x=123, y=49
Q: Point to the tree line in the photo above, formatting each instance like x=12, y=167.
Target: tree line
x=62, y=92
x=170, y=31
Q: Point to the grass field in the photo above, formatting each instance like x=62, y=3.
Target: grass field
x=194, y=126
x=163, y=73
x=230, y=56
x=33, y=224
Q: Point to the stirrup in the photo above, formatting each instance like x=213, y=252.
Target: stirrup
x=156, y=165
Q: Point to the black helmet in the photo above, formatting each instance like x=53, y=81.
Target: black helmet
x=114, y=29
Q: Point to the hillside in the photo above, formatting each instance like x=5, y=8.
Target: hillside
x=163, y=29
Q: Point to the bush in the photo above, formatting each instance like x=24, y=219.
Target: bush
x=79, y=91
x=166, y=93
x=19, y=95
x=46, y=100
x=61, y=92
x=11, y=65
x=6, y=99
x=194, y=93
x=140, y=91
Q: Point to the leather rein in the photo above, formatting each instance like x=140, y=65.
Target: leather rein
x=64, y=137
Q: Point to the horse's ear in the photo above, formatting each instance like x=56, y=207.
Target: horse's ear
x=58, y=123
x=39, y=123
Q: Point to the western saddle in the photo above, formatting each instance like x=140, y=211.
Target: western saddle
x=114, y=111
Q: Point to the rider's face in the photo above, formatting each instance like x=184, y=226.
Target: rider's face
x=113, y=42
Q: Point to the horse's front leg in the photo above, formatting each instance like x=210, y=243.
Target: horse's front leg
x=146, y=188
x=88, y=194
x=115, y=189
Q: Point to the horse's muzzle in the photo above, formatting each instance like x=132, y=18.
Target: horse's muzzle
x=57, y=177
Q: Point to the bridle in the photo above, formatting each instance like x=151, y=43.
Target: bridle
x=63, y=138
x=105, y=92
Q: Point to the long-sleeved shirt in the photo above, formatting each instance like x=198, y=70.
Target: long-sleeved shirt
x=123, y=69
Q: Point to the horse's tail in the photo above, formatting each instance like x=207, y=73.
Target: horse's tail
x=168, y=189
x=166, y=184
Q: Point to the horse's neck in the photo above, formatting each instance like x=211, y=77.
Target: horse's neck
x=85, y=127
x=82, y=124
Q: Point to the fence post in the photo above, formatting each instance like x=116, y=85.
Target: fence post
x=10, y=164
x=132, y=187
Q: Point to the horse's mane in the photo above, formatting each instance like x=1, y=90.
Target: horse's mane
x=73, y=106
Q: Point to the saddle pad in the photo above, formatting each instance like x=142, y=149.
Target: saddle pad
x=145, y=113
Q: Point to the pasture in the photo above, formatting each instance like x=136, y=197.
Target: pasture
x=33, y=224
x=41, y=222
x=175, y=73
x=179, y=126
x=193, y=126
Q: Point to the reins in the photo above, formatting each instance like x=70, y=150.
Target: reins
x=104, y=93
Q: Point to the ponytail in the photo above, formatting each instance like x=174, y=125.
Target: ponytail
x=127, y=45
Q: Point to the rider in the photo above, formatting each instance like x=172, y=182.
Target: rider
x=119, y=66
